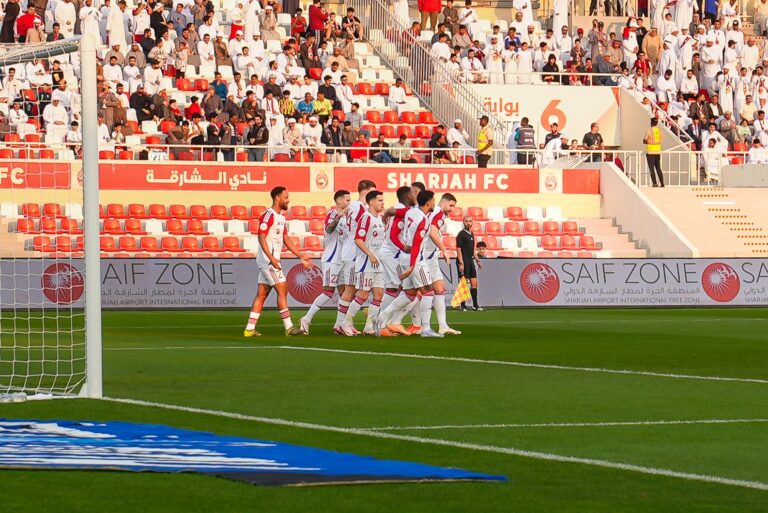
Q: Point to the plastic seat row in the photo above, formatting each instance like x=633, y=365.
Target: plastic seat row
x=546, y=242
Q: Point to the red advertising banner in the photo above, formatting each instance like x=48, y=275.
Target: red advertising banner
x=186, y=176
x=581, y=181
x=34, y=174
x=440, y=178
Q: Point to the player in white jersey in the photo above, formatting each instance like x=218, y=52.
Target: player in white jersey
x=370, y=273
x=347, y=278
x=335, y=233
x=272, y=237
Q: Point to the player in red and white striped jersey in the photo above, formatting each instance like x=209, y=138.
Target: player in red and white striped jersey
x=335, y=234
x=272, y=237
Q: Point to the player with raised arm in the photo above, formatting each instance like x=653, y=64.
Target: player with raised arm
x=370, y=274
x=347, y=277
x=331, y=260
x=272, y=237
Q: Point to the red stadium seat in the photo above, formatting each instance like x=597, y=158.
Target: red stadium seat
x=105, y=155
x=364, y=88
x=390, y=116
x=320, y=157
x=237, y=212
x=457, y=214
x=30, y=210
x=531, y=228
x=42, y=243
x=198, y=212
x=25, y=153
x=157, y=211
x=525, y=254
x=476, y=213
x=134, y=125
x=405, y=130
x=256, y=211
x=516, y=214
x=186, y=156
x=70, y=226
x=178, y=212
x=32, y=138
x=312, y=243
x=316, y=73
x=317, y=227
x=546, y=254
x=12, y=138
x=52, y=210
x=476, y=229
x=426, y=117
x=339, y=114
x=300, y=213
x=190, y=244
x=6, y=153
x=126, y=243
x=167, y=125
x=196, y=227
x=154, y=139
x=418, y=143
x=175, y=227
x=253, y=226
x=201, y=85
x=570, y=228
x=125, y=155
x=408, y=117
x=137, y=211
x=209, y=156
x=210, y=244
x=371, y=129
x=492, y=242
x=587, y=242
x=493, y=228
x=183, y=84
x=585, y=254
x=551, y=228
x=282, y=157
x=422, y=132
x=26, y=226
x=112, y=227
x=134, y=227
x=387, y=131
x=382, y=89
x=107, y=243
x=64, y=243
x=318, y=212
x=565, y=254
x=300, y=156
x=549, y=242
x=512, y=228
x=568, y=242
x=219, y=212
x=373, y=116
x=241, y=156
x=232, y=244
x=449, y=242
x=116, y=211
x=170, y=244
x=48, y=225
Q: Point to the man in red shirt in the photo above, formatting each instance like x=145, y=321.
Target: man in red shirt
x=317, y=18
x=360, y=151
x=27, y=21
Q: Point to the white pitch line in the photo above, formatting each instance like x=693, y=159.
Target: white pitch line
x=451, y=359
x=629, y=467
x=569, y=424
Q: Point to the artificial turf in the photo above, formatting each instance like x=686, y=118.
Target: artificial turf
x=200, y=360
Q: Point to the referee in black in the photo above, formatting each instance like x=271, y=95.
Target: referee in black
x=466, y=261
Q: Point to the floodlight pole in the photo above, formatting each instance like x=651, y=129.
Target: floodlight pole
x=89, y=122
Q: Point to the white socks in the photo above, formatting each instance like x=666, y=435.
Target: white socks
x=439, y=303
x=320, y=301
x=426, y=310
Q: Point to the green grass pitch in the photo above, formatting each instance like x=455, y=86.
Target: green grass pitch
x=471, y=401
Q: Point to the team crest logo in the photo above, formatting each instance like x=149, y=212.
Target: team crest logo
x=321, y=180
x=550, y=183
x=62, y=284
x=539, y=283
x=720, y=282
x=305, y=283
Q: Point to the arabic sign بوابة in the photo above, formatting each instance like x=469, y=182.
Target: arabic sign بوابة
x=202, y=176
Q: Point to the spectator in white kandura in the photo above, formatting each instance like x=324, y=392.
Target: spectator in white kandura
x=458, y=134
x=153, y=77
x=102, y=130
x=666, y=89
x=345, y=94
x=19, y=120
x=398, y=97
x=757, y=153
x=56, y=118
x=473, y=68
x=66, y=16
x=206, y=52
x=441, y=51
x=313, y=134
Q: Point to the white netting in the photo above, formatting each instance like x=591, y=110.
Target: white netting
x=42, y=276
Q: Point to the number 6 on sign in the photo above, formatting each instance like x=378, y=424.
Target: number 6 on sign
x=553, y=115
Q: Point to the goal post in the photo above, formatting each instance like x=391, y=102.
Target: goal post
x=50, y=305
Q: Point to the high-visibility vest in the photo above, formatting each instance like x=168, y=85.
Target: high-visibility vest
x=482, y=140
x=654, y=144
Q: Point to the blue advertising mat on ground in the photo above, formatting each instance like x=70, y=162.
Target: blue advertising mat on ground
x=64, y=444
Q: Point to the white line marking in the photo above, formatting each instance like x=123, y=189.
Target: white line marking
x=452, y=359
x=570, y=424
x=469, y=323
x=755, y=485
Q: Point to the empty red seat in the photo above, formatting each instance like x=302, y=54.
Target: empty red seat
x=186, y=155
x=148, y=244
x=106, y=155
x=26, y=226
x=154, y=139
x=52, y=210
x=112, y=226
x=449, y=242
x=570, y=228
x=587, y=242
x=300, y=212
x=390, y=116
x=70, y=226
x=312, y=243
x=492, y=242
x=219, y=212
x=387, y=131
x=512, y=228
x=457, y=214
x=373, y=116
x=190, y=244
x=516, y=214
x=11, y=138
x=418, y=143
x=364, y=88
x=201, y=85
x=531, y=228
x=318, y=212
x=257, y=210
x=64, y=243
x=170, y=244
x=493, y=228
x=476, y=229
x=585, y=254
x=210, y=244
x=126, y=243
x=115, y=210
x=239, y=212
x=178, y=212
x=568, y=242
x=167, y=125
x=372, y=130
x=476, y=213
x=134, y=227
x=427, y=118
x=107, y=243
x=525, y=254
x=408, y=117
x=45, y=154
x=422, y=132
x=546, y=254
x=282, y=157
x=183, y=84
x=175, y=227
x=137, y=210
x=125, y=155
x=320, y=157
x=316, y=73
x=565, y=254
x=48, y=225
x=30, y=209
x=551, y=228
x=382, y=89
x=405, y=130
x=6, y=153
x=339, y=114
x=549, y=242
x=198, y=212
x=241, y=156
x=232, y=244
x=317, y=227
x=42, y=243
x=157, y=211
x=196, y=227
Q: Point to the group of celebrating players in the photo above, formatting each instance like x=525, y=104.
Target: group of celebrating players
x=390, y=256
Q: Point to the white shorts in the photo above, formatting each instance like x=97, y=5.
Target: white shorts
x=434, y=270
x=268, y=275
x=331, y=271
x=405, y=263
x=368, y=281
x=347, y=275
x=421, y=275
x=391, y=268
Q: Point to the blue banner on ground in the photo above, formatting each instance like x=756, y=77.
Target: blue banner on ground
x=127, y=446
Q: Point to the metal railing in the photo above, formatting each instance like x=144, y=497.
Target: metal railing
x=411, y=59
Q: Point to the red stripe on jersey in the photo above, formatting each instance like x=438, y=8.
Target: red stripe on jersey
x=417, y=240
x=438, y=219
x=396, y=229
x=362, y=229
x=330, y=216
x=266, y=221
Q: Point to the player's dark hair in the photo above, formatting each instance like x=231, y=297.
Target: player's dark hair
x=338, y=194
x=424, y=197
x=372, y=195
x=448, y=197
x=482, y=244
x=277, y=191
x=403, y=193
x=420, y=186
x=365, y=184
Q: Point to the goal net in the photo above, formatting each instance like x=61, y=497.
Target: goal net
x=42, y=214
